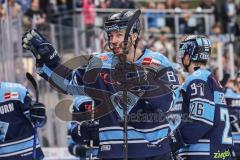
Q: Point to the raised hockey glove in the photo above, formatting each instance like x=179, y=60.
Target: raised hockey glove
x=40, y=47
x=38, y=114
x=88, y=130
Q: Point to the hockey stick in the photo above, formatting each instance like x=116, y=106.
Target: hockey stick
x=92, y=121
x=123, y=58
x=35, y=86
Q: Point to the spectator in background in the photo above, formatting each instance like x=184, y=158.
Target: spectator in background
x=217, y=39
x=2, y=12
x=61, y=6
x=129, y=4
x=164, y=45
x=155, y=19
x=238, y=82
x=67, y=5
x=184, y=27
x=209, y=4
x=172, y=4
x=104, y=4
x=161, y=20
x=151, y=18
x=25, y=4
x=230, y=11
x=89, y=21
x=122, y=4
x=15, y=12
x=47, y=7
x=216, y=34
x=14, y=9
x=34, y=15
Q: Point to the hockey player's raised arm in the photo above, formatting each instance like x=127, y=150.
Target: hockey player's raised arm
x=47, y=59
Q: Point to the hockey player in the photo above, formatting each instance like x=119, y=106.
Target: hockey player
x=18, y=115
x=147, y=105
x=205, y=131
x=81, y=134
x=233, y=102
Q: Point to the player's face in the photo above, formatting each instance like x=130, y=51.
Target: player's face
x=116, y=40
x=186, y=61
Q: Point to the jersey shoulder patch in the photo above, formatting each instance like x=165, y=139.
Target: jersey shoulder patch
x=154, y=60
x=12, y=91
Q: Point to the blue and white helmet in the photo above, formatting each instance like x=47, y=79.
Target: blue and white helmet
x=198, y=47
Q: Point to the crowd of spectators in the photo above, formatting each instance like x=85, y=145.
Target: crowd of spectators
x=160, y=19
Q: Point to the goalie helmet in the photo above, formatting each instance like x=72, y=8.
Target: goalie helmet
x=197, y=47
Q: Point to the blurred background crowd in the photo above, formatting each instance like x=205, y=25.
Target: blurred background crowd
x=75, y=27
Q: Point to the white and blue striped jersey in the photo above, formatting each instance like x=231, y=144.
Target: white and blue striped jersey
x=16, y=129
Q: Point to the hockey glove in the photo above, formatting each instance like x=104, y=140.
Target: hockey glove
x=86, y=131
x=40, y=47
x=78, y=150
x=38, y=114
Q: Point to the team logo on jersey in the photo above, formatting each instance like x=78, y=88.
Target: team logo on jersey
x=118, y=102
x=150, y=62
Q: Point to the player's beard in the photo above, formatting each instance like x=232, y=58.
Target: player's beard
x=121, y=48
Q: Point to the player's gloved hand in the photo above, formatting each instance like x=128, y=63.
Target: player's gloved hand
x=78, y=150
x=40, y=47
x=38, y=114
x=88, y=130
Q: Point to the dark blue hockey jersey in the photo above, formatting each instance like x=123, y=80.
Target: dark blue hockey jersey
x=80, y=106
x=205, y=125
x=233, y=102
x=16, y=130
x=147, y=127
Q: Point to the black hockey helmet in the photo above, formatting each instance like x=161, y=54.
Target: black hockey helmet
x=198, y=47
x=120, y=21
